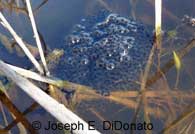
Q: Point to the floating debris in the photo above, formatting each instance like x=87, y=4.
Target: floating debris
x=106, y=52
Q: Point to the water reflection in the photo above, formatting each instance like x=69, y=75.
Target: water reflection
x=56, y=19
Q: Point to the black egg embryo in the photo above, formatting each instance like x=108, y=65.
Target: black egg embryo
x=106, y=52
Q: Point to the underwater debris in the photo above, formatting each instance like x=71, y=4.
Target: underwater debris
x=11, y=46
x=106, y=52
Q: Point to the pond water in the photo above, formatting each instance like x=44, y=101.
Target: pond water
x=56, y=21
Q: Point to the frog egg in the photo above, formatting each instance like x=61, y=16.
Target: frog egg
x=83, y=20
x=115, y=49
x=130, y=40
x=122, y=21
x=127, y=58
x=111, y=18
x=112, y=30
x=120, y=29
x=84, y=34
x=109, y=54
x=75, y=40
x=70, y=60
x=94, y=56
x=127, y=45
x=72, y=39
x=139, y=66
x=84, y=61
x=123, y=31
x=88, y=40
x=121, y=58
x=110, y=39
x=105, y=41
x=100, y=64
x=110, y=66
x=134, y=30
x=83, y=49
x=75, y=50
x=103, y=44
x=133, y=22
x=123, y=52
x=79, y=28
x=101, y=25
x=131, y=27
x=96, y=44
x=97, y=34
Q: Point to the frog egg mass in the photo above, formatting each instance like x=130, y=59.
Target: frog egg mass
x=106, y=52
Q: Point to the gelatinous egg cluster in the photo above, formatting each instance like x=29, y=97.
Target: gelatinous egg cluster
x=106, y=52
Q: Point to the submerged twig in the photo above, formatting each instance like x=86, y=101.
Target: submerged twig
x=39, y=6
x=142, y=98
x=13, y=109
x=12, y=7
x=181, y=53
x=10, y=45
x=183, y=117
x=28, y=110
x=4, y=116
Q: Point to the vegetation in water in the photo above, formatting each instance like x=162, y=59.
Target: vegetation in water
x=90, y=62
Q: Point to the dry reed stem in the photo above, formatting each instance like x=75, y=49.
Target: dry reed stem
x=13, y=109
x=36, y=35
x=4, y=117
x=142, y=100
x=12, y=7
x=57, y=110
x=6, y=24
x=155, y=94
x=158, y=27
x=28, y=110
x=181, y=53
x=11, y=45
x=165, y=11
x=183, y=117
x=39, y=6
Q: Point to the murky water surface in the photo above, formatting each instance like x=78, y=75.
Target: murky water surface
x=106, y=45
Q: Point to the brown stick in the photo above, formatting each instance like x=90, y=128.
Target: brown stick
x=28, y=110
x=13, y=109
x=181, y=53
